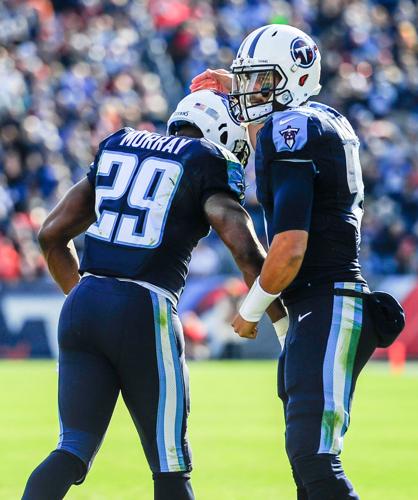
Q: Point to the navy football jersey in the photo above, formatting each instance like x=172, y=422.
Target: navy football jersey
x=150, y=191
x=312, y=153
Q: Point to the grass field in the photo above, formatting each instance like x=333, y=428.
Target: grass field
x=236, y=430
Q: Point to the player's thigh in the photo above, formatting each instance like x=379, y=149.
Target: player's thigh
x=154, y=383
x=88, y=383
x=329, y=342
x=302, y=371
x=87, y=393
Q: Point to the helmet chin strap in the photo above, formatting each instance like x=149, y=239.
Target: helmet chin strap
x=279, y=107
x=261, y=120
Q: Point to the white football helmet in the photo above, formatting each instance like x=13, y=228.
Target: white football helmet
x=277, y=67
x=209, y=112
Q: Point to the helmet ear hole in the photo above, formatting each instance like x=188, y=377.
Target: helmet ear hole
x=224, y=137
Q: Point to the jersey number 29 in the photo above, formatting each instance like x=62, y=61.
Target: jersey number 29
x=151, y=186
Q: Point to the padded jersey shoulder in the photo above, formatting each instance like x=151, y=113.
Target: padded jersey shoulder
x=291, y=134
x=116, y=137
x=217, y=160
x=218, y=151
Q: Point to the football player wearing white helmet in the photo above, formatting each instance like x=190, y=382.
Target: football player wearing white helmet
x=210, y=113
x=309, y=182
x=267, y=78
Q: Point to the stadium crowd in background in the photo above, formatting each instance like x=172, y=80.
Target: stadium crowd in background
x=74, y=71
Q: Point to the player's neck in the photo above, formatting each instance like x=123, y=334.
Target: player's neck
x=253, y=129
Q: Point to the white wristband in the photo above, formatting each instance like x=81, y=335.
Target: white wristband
x=256, y=302
x=281, y=326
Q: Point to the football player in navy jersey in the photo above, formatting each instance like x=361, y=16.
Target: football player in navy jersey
x=146, y=202
x=309, y=183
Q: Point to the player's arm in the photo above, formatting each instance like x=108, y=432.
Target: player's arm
x=221, y=81
x=292, y=185
x=72, y=216
x=234, y=226
x=212, y=79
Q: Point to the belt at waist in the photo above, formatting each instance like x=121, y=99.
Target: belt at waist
x=149, y=286
x=338, y=288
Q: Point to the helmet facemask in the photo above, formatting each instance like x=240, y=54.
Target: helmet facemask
x=257, y=91
x=242, y=151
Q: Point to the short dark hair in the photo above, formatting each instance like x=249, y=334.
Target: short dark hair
x=187, y=128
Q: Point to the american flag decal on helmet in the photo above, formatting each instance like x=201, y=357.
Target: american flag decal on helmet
x=200, y=106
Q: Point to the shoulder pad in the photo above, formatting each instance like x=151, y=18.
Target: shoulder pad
x=220, y=151
x=120, y=133
x=117, y=136
x=234, y=169
x=290, y=130
x=228, y=155
x=235, y=173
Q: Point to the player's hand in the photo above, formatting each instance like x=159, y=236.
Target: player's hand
x=243, y=328
x=212, y=79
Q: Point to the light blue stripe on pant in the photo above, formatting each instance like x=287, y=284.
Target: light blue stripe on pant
x=358, y=320
x=171, y=396
x=162, y=389
x=179, y=389
x=338, y=368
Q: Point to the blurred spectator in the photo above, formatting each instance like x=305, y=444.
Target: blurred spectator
x=9, y=261
x=74, y=71
x=195, y=336
x=217, y=310
x=205, y=260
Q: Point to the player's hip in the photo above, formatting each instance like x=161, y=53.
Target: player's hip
x=330, y=334
x=113, y=280
x=105, y=313
x=319, y=309
x=331, y=337
x=305, y=288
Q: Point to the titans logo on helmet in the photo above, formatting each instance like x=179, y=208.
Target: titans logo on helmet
x=289, y=136
x=302, y=53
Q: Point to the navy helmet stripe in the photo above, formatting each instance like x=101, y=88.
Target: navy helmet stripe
x=241, y=47
x=244, y=43
x=254, y=42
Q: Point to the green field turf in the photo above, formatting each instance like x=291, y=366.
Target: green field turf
x=236, y=430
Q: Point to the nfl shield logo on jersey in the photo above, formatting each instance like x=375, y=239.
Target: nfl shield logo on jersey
x=289, y=136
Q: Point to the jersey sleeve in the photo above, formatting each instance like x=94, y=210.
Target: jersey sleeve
x=221, y=172
x=286, y=170
x=292, y=186
x=92, y=172
x=294, y=135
